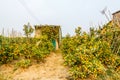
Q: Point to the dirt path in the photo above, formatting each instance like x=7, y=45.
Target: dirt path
x=52, y=69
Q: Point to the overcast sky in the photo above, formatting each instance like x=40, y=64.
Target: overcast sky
x=67, y=13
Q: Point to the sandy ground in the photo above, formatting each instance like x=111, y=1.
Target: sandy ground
x=52, y=69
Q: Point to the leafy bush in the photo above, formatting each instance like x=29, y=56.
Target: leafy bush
x=89, y=55
x=24, y=48
x=6, y=52
x=42, y=49
x=24, y=63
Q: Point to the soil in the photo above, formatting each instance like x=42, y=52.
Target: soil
x=52, y=69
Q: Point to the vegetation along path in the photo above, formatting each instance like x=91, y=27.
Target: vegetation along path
x=52, y=69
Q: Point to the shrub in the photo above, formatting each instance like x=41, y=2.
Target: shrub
x=24, y=48
x=24, y=63
x=88, y=55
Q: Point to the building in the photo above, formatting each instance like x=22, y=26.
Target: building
x=116, y=17
x=52, y=31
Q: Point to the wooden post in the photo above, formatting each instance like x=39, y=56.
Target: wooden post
x=57, y=47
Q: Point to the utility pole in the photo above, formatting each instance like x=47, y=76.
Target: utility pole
x=104, y=13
